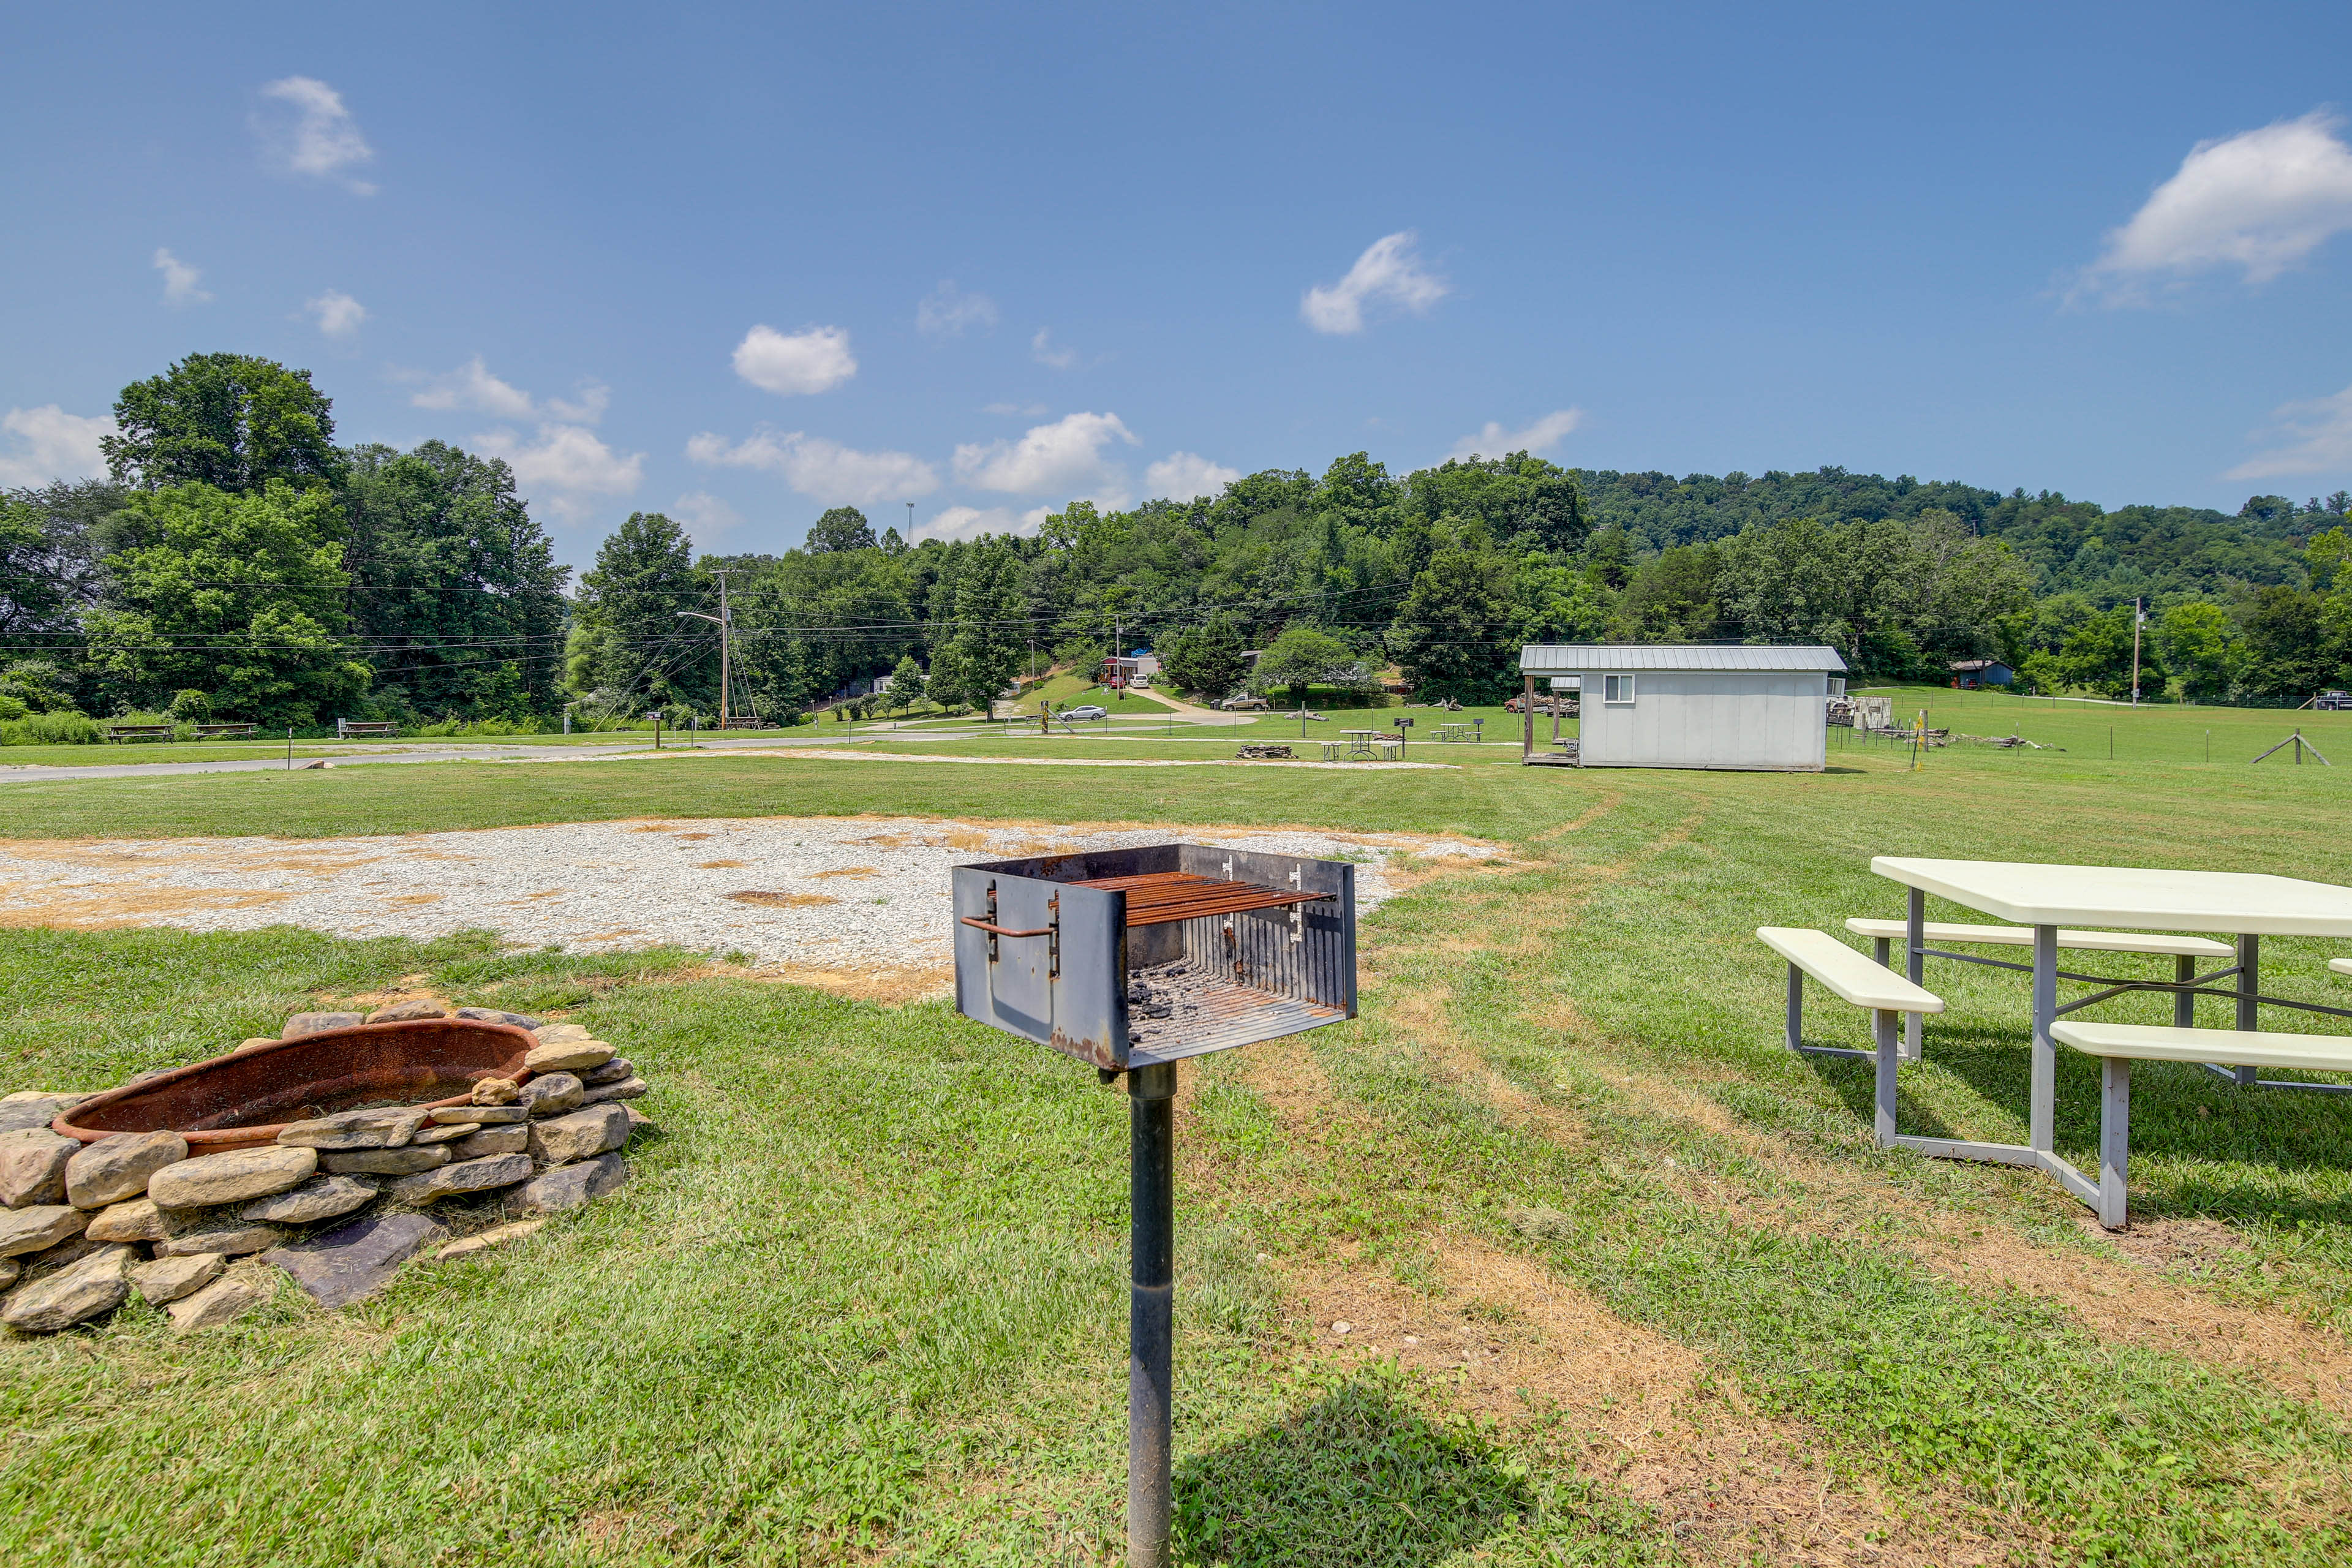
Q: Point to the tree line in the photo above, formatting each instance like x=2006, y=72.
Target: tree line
x=237, y=564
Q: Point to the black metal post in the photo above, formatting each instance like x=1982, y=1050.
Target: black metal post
x=1150, y=1312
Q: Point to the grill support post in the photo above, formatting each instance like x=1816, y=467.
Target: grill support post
x=1151, y=1312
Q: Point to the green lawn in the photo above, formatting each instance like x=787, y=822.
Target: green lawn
x=864, y=1298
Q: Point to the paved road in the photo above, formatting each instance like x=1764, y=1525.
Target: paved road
x=420, y=753
x=824, y=735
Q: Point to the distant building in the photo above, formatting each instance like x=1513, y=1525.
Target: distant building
x=1687, y=705
x=1969, y=673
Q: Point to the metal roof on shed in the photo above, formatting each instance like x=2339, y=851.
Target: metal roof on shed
x=1569, y=658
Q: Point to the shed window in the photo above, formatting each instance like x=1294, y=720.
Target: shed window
x=1616, y=689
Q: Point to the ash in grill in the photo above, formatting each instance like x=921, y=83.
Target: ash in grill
x=1128, y=957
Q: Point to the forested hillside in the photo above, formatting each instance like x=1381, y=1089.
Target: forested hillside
x=237, y=563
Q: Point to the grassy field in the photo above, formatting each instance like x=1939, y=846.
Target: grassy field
x=1628, y=1283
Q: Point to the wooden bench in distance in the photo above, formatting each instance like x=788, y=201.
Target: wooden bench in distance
x=347, y=728
x=139, y=731
x=223, y=731
x=2120, y=1045
x=1853, y=978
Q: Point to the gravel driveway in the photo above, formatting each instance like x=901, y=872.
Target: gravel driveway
x=861, y=903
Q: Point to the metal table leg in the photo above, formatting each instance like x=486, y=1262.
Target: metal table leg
x=1915, y=969
x=2250, y=966
x=2184, y=1003
x=2041, y=1110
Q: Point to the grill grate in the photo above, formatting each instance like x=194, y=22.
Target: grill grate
x=1158, y=897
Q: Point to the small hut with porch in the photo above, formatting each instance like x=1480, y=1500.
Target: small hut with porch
x=1689, y=705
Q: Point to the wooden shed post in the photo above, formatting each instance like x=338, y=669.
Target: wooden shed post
x=1527, y=720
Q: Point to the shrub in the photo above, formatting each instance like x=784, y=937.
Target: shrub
x=51, y=729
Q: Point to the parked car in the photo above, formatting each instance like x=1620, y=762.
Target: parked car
x=1088, y=711
x=1235, y=704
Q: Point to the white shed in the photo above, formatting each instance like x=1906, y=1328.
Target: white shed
x=1691, y=705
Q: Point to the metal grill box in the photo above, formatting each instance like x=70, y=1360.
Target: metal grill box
x=1130, y=958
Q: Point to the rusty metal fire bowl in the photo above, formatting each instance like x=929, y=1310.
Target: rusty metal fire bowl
x=246, y=1099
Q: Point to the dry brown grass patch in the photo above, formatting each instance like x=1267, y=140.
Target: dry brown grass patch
x=782, y=900
x=846, y=871
x=720, y=865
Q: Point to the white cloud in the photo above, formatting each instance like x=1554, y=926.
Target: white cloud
x=472, y=386
x=180, y=279
x=594, y=398
x=1183, y=476
x=339, y=315
x=1042, y=349
x=706, y=518
x=1388, y=272
x=1494, y=441
x=822, y=469
x=947, y=310
x=814, y=361
x=52, y=444
x=320, y=139
x=2319, y=434
x=1068, y=458
x=1022, y=410
x=565, y=465
x=972, y=521
x=2262, y=200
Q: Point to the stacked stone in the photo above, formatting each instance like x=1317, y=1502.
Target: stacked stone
x=85, y=1224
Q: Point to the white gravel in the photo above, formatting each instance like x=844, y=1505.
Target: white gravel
x=833, y=894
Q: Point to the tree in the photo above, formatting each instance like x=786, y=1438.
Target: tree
x=987, y=642
x=1304, y=656
x=50, y=538
x=230, y=421
x=453, y=586
x=1206, y=658
x=2200, y=645
x=237, y=596
x=639, y=646
x=1450, y=632
x=906, y=684
x=2099, y=656
x=842, y=528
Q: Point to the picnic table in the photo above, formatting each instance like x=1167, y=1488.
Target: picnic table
x=2246, y=905
x=223, y=731
x=1359, y=742
x=139, y=731
x=1457, y=731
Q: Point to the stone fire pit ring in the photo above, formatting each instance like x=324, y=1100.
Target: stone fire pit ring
x=305, y=1079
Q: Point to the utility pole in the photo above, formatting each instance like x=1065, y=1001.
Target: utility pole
x=724, y=621
x=2138, y=615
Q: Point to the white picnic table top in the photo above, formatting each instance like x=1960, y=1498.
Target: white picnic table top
x=2243, y=902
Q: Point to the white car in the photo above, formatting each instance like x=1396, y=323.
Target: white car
x=1088, y=711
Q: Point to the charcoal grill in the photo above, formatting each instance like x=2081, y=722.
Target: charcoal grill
x=1132, y=960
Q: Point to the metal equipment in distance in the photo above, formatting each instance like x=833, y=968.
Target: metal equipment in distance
x=1132, y=960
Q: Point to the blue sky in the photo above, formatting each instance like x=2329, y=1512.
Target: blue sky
x=740, y=263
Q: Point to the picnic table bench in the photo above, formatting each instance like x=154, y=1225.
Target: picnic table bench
x=1864, y=982
x=347, y=728
x=2117, y=1046
x=223, y=731
x=1453, y=731
x=139, y=731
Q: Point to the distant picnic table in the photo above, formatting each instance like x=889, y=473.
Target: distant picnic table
x=139, y=731
x=347, y=728
x=223, y=731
